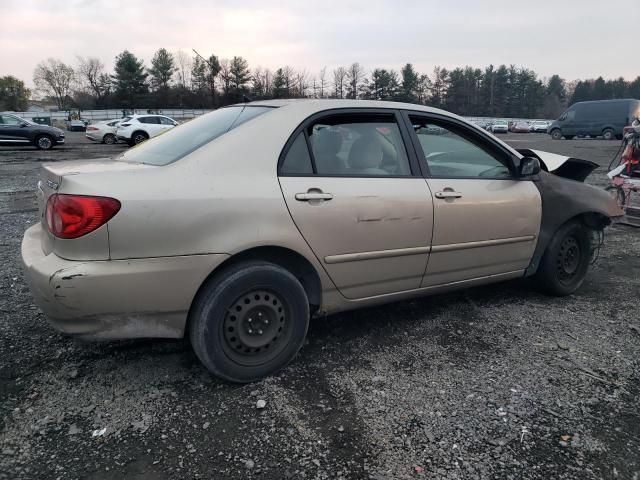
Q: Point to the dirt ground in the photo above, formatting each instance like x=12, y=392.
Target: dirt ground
x=496, y=382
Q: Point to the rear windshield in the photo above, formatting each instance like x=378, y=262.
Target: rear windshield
x=180, y=141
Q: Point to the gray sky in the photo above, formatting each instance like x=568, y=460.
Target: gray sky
x=574, y=38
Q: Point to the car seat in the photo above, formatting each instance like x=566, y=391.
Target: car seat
x=327, y=144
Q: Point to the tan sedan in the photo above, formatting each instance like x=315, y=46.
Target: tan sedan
x=237, y=227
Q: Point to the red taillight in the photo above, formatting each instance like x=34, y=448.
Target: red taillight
x=91, y=129
x=72, y=216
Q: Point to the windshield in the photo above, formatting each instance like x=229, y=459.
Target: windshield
x=184, y=139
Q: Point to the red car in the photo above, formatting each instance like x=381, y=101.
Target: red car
x=521, y=127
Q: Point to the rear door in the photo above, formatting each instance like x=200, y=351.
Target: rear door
x=485, y=221
x=355, y=194
x=151, y=125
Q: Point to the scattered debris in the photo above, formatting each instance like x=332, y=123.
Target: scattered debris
x=99, y=432
x=260, y=404
x=74, y=430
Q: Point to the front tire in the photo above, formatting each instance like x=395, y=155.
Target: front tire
x=608, y=134
x=44, y=142
x=566, y=260
x=249, y=321
x=556, y=134
x=139, y=137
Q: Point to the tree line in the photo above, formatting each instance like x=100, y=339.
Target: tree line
x=180, y=80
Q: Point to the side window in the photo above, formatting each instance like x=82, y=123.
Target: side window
x=10, y=120
x=298, y=160
x=358, y=145
x=165, y=121
x=153, y=120
x=450, y=154
x=570, y=115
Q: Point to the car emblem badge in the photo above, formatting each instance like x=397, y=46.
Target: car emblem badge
x=52, y=185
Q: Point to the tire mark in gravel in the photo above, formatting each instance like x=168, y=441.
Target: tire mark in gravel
x=324, y=415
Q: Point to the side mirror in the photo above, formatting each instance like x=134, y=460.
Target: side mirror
x=528, y=167
x=24, y=124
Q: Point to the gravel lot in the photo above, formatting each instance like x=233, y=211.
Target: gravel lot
x=494, y=382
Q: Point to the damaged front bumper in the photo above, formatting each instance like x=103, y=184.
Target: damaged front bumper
x=114, y=299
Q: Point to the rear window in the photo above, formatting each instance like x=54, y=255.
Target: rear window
x=180, y=141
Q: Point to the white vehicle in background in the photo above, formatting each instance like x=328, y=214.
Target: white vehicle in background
x=136, y=129
x=539, y=127
x=103, y=132
x=500, y=127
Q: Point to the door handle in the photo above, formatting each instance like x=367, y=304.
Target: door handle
x=310, y=196
x=448, y=194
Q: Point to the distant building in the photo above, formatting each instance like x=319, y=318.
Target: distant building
x=41, y=106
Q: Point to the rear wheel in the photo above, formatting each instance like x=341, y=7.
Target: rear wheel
x=44, y=142
x=109, y=139
x=249, y=322
x=565, y=262
x=608, y=134
x=139, y=137
x=556, y=134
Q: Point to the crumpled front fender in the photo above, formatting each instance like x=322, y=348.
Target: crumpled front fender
x=567, y=167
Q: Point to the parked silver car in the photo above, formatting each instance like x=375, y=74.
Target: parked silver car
x=237, y=227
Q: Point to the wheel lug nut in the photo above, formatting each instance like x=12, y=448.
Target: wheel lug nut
x=259, y=332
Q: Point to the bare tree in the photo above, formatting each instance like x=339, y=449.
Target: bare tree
x=355, y=75
x=225, y=77
x=302, y=83
x=267, y=80
x=322, y=81
x=184, y=62
x=55, y=79
x=93, y=79
x=339, y=80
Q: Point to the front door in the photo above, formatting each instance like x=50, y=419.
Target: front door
x=485, y=221
x=359, y=203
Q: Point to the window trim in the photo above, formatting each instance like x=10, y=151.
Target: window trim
x=414, y=165
x=479, y=139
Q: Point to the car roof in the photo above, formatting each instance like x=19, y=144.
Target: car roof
x=318, y=105
x=138, y=115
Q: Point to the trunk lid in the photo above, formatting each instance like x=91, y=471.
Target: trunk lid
x=51, y=180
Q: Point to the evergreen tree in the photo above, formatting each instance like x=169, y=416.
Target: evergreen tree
x=130, y=79
x=409, y=84
x=13, y=94
x=162, y=69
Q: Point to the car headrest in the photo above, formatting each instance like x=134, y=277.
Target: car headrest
x=366, y=152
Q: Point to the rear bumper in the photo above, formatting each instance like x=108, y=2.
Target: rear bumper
x=114, y=299
x=93, y=137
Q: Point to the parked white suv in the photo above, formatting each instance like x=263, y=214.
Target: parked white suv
x=138, y=128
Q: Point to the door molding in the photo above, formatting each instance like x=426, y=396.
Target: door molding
x=396, y=252
x=481, y=243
